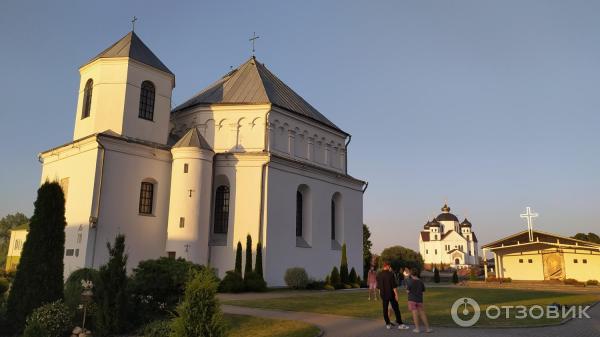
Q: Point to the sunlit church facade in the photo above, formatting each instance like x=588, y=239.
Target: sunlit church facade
x=246, y=155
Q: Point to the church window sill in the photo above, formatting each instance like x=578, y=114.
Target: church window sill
x=301, y=243
x=148, y=215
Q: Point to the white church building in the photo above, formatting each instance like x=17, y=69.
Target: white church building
x=246, y=155
x=445, y=240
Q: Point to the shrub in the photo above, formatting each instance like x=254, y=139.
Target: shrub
x=328, y=287
x=4, y=284
x=254, y=282
x=344, y=266
x=50, y=320
x=259, y=259
x=157, y=285
x=334, y=279
x=454, y=277
x=73, y=288
x=353, y=278
x=160, y=328
x=199, y=312
x=592, y=282
x=39, y=277
x=574, y=282
x=436, y=275
x=355, y=285
x=111, y=292
x=315, y=285
x=232, y=283
x=296, y=278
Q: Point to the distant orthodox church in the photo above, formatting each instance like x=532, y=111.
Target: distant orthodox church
x=246, y=155
x=445, y=240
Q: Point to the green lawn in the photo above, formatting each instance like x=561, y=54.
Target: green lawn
x=243, y=326
x=438, y=302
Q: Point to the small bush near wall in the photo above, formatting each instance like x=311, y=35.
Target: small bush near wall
x=296, y=278
x=574, y=282
x=161, y=328
x=592, y=282
x=232, y=283
x=254, y=282
x=49, y=320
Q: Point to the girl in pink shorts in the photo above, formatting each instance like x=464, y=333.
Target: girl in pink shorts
x=415, y=289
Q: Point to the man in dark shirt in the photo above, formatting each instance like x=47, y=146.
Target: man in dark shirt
x=388, y=291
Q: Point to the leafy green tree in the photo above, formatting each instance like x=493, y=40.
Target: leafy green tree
x=199, y=314
x=590, y=237
x=436, y=275
x=258, y=269
x=367, y=255
x=248, y=265
x=454, y=277
x=344, y=266
x=401, y=257
x=6, y=224
x=111, y=292
x=39, y=277
x=238, y=258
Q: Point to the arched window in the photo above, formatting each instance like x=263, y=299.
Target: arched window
x=146, y=197
x=221, y=210
x=299, y=215
x=332, y=219
x=147, y=101
x=87, y=99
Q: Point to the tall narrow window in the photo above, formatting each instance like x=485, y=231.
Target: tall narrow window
x=147, y=101
x=87, y=99
x=221, y=210
x=146, y=196
x=299, y=213
x=186, y=168
x=332, y=219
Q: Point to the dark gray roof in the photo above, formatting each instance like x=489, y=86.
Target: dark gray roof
x=465, y=223
x=192, y=138
x=132, y=46
x=253, y=83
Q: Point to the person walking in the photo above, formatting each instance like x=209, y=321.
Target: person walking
x=388, y=291
x=415, y=289
x=372, y=283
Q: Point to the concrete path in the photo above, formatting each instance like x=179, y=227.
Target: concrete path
x=341, y=326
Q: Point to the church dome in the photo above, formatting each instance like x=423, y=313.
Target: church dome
x=465, y=223
x=434, y=223
x=446, y=215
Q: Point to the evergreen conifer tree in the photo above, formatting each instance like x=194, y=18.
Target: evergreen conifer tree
x=344, y=266
x=238, y=258
x=248, y=265
x=111, y=293
x=39, y=277
x=258, y=269
x=454, y=277
x=436, y=275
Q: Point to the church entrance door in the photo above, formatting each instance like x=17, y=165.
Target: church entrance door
x=553, y=266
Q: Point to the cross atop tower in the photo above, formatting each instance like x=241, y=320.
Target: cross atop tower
x=529, y=216
x=133, y=23
x=253, y=39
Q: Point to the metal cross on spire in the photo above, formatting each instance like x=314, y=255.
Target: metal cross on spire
x=253, y=40
x=529, y=216
x=133, y=23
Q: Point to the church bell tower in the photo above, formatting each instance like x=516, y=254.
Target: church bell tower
x=125, y=90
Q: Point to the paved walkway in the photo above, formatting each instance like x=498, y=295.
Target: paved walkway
x=341, y=326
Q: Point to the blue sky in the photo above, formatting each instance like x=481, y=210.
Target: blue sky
x=492, y=105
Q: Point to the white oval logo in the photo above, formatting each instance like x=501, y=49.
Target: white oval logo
x=463, y=304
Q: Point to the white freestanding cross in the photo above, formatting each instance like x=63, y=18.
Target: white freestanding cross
x=529, y=216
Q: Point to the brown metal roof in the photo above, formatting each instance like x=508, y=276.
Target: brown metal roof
x=132, y=46
x=253, y=83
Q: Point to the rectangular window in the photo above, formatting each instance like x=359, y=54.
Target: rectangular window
x=181, y=222
x=70, y=252
x=185, y=168
x=221, y=210
x=436, y=252
x=171, y=255
x=530, y=261
x=520, y=260
x=574, y=260
x=426, y=251
x=299, y=214
x=584, y=261
x=146, y=196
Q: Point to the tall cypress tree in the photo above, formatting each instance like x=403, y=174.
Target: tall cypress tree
x=258, y=269
x=39, y=277
x=238, y=258
x=248, y=266
x=344, y=266
x=111, y=293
